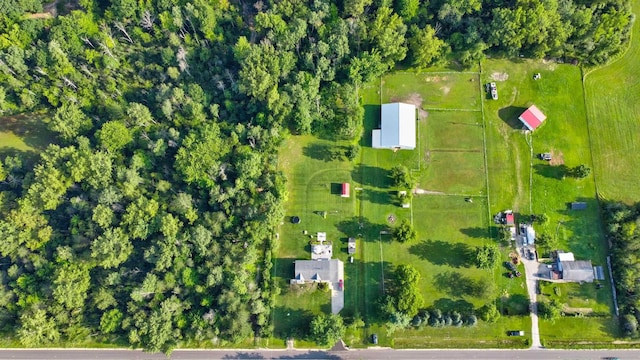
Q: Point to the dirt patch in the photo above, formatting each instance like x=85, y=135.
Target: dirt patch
x=391, y=219
x=416, y=100
x=445, y=90
x=435, y=78
x=557, y=158
x=499, y=76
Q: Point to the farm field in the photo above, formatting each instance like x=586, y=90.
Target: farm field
x=613, y=107
x=541, y=187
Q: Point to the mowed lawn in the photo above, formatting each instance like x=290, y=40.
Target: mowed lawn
x=613, y=107
x=314, y=186
x=520, y=181
x=449, y=166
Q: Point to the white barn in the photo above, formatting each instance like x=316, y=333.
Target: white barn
x=398, y=127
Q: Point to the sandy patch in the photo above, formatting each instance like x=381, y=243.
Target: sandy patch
x=498, y=76
x=435, y=78
x=445, y=90
x=419, y=191
x=557, y=158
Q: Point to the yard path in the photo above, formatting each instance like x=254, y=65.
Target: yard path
x=531, y=269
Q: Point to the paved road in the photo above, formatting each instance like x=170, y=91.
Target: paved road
x=370, y=354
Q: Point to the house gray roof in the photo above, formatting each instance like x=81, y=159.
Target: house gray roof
x=398, y=127
x=581, y=270
x=318, y=270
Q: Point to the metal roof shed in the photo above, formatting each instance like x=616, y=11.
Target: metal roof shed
x=398, y=127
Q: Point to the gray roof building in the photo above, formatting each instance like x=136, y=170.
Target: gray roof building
x=578, y=271
x=318, y=270
x=398, y=127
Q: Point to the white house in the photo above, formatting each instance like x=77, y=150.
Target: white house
x=398, y=127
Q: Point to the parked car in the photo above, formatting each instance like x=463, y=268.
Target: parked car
x=374, y=339
x=510, y=265
x=546, y=156
x=515, y=333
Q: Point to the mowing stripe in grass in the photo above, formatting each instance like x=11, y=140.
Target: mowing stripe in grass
x=484, y=147
x=445, y=109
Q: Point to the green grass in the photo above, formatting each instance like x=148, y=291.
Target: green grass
x=439, y=90
x=613, y=107
x=314, y=185
x=25, y=133
x=576, y=332
x=484, y=335
x=534, y=186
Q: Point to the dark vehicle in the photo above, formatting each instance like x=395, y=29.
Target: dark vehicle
x=515, y=333
x=374, y=339
x=510, y=265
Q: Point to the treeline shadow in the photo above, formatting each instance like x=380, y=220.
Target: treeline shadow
x=510, y=116
x=378, y=196
x=371, y=176
x=440, y=252
x=456, y=284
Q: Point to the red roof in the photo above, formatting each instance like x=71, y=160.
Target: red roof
x=345, y=189
x=510, y=220
x=532, y=117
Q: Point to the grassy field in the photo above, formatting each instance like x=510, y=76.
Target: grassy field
x=26, y=134
x=439, y=90
x=613, y=107
x=520, y=181
x=314, y=185
x=450, y=166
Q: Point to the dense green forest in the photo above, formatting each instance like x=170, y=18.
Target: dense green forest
x=150, y=218
x=623, y=233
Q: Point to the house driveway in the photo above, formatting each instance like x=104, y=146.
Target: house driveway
x=337, y=295
x=531, y=271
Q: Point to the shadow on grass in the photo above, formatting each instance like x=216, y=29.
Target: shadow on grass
x=553, y=172
x=361, y=227
x=476, y=232
x=323, y=152
x=440, y=252
x=379, y=196
x=371, y=121
x=30, y=128
x=510, y=116
x=371, y=176
x=517, y=304
x=447, y=305
x=456, y=284
x=291, y=322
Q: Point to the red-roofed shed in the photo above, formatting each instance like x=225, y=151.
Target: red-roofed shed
x=510, y=219
x=532, y=117
x=345, y=190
